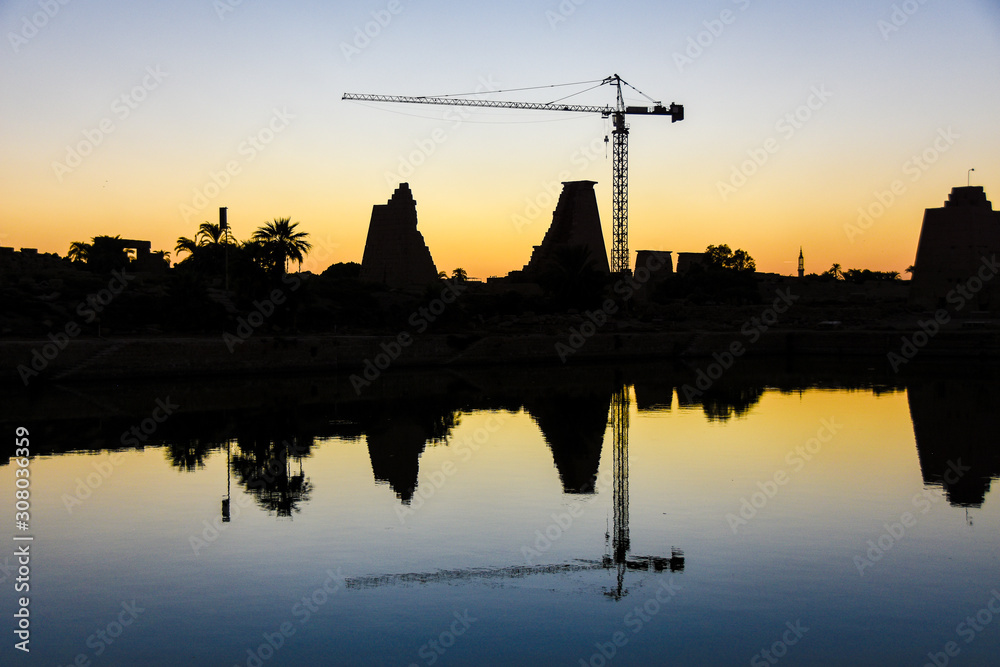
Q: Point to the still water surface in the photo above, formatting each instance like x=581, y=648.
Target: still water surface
x=595, y=516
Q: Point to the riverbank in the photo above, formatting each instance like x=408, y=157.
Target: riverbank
x=32, y=362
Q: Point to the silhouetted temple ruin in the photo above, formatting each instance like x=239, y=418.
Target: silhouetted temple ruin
x=956, y=242
x=576, y=224
x=395, y=252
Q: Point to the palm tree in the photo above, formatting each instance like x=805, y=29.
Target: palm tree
x=210, y=233
x=283, y=243
x=184, y=244
x=459, y=275
x=79, y=251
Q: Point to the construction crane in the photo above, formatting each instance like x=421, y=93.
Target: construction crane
x=619, y=234
x=617, y=557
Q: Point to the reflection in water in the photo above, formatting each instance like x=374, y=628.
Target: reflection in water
x=397, y=433
x=266, y=469
x=620, y=542
x=189, y=455
x=666, y=479
x=955, y=424
x=573, y=426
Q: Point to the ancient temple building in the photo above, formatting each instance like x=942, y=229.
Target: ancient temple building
x=957, y=245
x=576, y=224
x=395, y=252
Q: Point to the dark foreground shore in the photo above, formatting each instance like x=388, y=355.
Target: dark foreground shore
x=36, y=362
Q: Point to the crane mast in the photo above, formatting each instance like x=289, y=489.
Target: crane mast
x=617, y=113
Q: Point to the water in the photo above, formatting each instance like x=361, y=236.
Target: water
x=824, y=514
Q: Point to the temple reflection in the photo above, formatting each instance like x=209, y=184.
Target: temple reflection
x=955, y=424
x=573, y=427
x=268, y=428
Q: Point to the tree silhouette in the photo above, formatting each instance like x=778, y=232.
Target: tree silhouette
x=79, y=251
x=721, y=257
x=282, y=243
x=210, y=233
x=184, y=244
x=459, y=275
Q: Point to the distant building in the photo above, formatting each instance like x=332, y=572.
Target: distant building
x=687, y=260
x=956, y=243
x=802, y=264
x=662, y=260
x=576, y=227
x=395, y=252
x=28, y=261
x=145, y=259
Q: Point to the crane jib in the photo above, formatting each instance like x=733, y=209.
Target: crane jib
x=619, y=186
x=676, y=111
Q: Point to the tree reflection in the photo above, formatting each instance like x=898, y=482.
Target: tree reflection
x=272, y=473
x=189, y=455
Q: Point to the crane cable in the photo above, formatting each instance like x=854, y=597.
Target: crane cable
x=514, y=90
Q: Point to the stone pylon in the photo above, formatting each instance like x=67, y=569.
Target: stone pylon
x=395, y=252
x=576, y=223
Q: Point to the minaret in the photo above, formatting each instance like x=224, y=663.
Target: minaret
x=802, y=264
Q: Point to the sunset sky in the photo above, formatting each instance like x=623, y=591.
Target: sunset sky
x=124, y=118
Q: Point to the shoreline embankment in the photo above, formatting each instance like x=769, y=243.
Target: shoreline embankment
x=32, y=362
